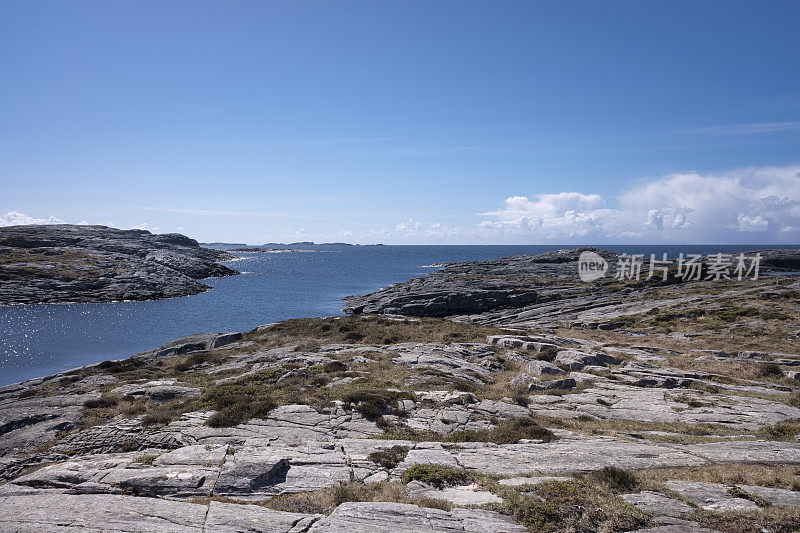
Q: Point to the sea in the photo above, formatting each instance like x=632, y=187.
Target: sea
x=38, y=340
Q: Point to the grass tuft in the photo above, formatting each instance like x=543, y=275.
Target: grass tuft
x=437, y=475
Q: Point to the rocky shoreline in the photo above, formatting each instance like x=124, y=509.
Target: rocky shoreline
x=526, y=290
x=546, y=405
x=68, y=263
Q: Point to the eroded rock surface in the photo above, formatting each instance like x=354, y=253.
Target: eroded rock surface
x=543, y=418
x=67, y=263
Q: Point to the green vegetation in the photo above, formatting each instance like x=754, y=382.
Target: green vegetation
x=783, y=431
x=119, y=367
x=390, y=457
x=437, y=475
x=235, y=404
x=616, y=479
x=101, y=402
x=587, y=503
x=374, y=403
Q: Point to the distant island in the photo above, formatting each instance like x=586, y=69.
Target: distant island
x=279, y=245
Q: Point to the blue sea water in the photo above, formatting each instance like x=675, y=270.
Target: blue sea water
x=38, y=340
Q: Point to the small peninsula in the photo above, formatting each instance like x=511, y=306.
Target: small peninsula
x=76, y=263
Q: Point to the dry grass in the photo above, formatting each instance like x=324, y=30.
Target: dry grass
x=778, y=476
x=591, y=426
x=368, y=329
x=509, y=431
x=586, y=503
x=390, y=457
x=772, y=519
x=326, y=500
x=24, y=264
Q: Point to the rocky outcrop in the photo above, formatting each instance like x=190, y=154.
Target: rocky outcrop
x=66, y=263
x=521, y=291
x=464, y=288
x=565, y=429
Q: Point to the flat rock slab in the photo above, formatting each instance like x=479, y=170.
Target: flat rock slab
x=370, y=517
x=776, y=497
x=444, y=358
x=205, y=455
x=256, y=472
x=683, y=527
x=620, y=401
x=234, y=518
x=711, y=496
x=460, y=496
x=748, y=452
x=48, y=512
x=657, y=503
x=287, y=424
x=519, y=481
x=567, y=455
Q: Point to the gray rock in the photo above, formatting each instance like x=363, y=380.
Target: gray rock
x=447, y=359
x=618, y=400
x=67, y=263
x=57, y=512
x=233, y=518
x=657, y=503
x=369, y=517
x=518, y=481
x=557, y=384
x=570, y=455
x=711, y=496
x=576, y=360
x=246, y=474
x=776, y=497
x=158, y=391
x=195, y=343
x=683, y=526
x=460, y=496
x=193, y=455
x=539, y=368
x=524, y=343
x=523, y=379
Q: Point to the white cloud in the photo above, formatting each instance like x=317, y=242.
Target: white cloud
x=15, y=218
x=417, y=228
x=566, y=214
x=749, y=205
x=144, y=226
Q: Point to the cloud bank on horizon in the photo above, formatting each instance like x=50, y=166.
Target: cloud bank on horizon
x=749, y=205
x=759, y=205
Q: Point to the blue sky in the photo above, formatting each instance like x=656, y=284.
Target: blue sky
x=405, y=122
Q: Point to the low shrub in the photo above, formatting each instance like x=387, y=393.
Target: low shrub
x=390, y=457
x=235, y=404
x=374, y=403
x=785, y=431
x=508, y=431
x=548, y=354
x=102, y=402
x=617, y=479
x=770, y=370
x=125, y=365
x=437, y=475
